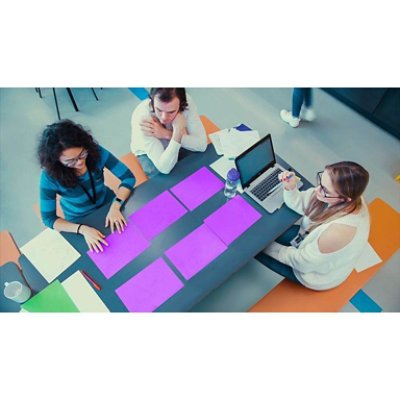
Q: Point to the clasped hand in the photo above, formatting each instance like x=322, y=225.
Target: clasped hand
x=153, y=127
x=178, y=125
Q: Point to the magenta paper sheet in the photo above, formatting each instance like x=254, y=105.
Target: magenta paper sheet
x=150, y=288
x=197, y=188
x=195, y=251
x=122, y=248
x=157, y=215
x=232, y=219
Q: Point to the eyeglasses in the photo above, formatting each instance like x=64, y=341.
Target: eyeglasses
x=319, y=176
x=71, y=162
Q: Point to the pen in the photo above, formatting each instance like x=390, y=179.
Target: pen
x=91, y=280
x=291, y=176
x=297, y=178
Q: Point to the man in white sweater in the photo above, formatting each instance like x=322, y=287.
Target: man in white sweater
x=163, y=128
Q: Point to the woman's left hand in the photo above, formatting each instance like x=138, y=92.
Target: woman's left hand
x=115, y=218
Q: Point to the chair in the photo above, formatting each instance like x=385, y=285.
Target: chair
x=288, y=296
x=134, y=165
x=71, y=96
x=9, y=252
x=59, y=210
x=209, y=126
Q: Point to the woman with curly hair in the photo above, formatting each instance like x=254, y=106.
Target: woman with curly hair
x=334, y=230
x=72, y=167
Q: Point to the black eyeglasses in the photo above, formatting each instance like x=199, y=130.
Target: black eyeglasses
x=319, y=176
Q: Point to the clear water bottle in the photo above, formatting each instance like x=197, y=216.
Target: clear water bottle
x=232, y=182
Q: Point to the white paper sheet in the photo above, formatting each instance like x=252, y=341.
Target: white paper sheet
x=216, y=141
x=50, y=253
x=222, y=166
x=368, y=259
x=235, y=142
x=82, y=294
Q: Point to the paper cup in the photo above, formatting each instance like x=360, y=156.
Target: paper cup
x=16, y=291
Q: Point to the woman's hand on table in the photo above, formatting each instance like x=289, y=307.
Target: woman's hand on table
x=93, y=237
x=115, y=219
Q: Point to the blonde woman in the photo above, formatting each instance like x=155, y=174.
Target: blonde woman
x=333, y=232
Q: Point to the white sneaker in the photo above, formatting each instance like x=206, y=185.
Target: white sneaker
x=288, y=117
x=307, y=114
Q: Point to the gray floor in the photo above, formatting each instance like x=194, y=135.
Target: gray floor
x=338, y=134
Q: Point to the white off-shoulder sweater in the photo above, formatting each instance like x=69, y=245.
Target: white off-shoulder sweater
x=316, y=270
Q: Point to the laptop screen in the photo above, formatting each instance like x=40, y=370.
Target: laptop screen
x=255, y=160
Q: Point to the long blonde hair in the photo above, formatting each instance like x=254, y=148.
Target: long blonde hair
x=349, y=180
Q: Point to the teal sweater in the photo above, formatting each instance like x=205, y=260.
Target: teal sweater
x=74, y=201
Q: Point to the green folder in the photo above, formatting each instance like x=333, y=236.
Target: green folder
x=53, y=298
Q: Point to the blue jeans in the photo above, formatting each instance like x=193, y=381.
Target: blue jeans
x=150, y=169
x=275, y=265
x=300, y=96
x=148, y=166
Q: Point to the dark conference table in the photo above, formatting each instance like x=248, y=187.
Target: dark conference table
x=263, y=232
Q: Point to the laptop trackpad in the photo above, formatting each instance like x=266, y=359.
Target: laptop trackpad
x=274, y=201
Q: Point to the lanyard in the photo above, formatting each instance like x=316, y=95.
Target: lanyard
x=91, y=198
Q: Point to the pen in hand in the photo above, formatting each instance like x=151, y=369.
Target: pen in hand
x=91, y=280
x=288, y=177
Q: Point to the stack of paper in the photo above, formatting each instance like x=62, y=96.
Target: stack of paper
x=232, y=142
x=82, y=294
x=50, y=253
x=216, y=141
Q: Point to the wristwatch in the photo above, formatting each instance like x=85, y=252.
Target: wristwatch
x=120, y=201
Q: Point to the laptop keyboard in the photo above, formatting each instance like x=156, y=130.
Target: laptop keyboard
x=264, y=187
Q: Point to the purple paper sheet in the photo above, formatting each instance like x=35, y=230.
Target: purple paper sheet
x=197, y=188
x=150, y=288
x=122, y=248
x=195, y=251
x=232, y=219
x=157, y=215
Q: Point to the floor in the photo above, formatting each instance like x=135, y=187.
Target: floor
x=337, y=134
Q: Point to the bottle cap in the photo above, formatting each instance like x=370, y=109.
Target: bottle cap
x=233, y=174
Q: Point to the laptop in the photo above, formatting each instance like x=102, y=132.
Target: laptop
x=259, y=174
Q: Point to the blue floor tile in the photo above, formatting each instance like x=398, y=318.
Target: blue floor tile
x=141, y=93
x=364, y=303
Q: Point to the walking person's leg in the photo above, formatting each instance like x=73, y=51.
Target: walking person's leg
x=307, y=112
x=298, y=98
x=293, y=117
